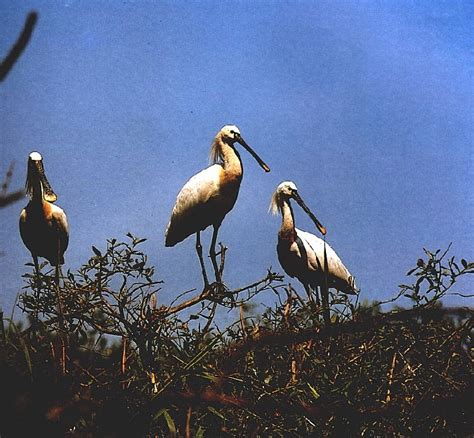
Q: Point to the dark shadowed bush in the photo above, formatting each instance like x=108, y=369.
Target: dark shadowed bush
x=99, y=357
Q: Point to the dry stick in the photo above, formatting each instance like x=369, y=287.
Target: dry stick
x=53, y=352
x=2, y=328
x=63, y=356
x=242, y=325
x=20, y=45
x=188, y=422
x=390, y=378
x=207, y=294
x=123, y=366
x=9, y=198
x=62, y=326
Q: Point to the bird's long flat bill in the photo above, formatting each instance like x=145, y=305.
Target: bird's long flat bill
x=301, y=203
x=254, y=154
x=36, y=167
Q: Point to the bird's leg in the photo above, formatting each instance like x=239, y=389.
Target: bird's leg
x=316, y=292
x=309, y=292
x=37, y=272
x=212, y=254
x=56, y=275
x=201, y=260
x=325, y=289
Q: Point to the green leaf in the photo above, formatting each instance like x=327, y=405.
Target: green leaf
x=313, y=391
x=200, y=432
x=170, y=423
x=168, y=419
x=96, y=251
x=215, y=412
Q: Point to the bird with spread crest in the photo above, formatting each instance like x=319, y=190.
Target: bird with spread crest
x=43, y=225
x=303, y=255
x=209, y=195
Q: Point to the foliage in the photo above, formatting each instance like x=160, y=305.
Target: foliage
x=100, y=357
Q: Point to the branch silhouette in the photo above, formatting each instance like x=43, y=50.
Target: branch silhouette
x=15, y=52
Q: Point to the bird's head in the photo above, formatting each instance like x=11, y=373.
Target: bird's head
x=36, y=178
x=230, y=135
x=287, y=190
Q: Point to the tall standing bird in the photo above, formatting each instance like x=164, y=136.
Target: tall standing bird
x=209, y=195
x=305, y=256
x=43, y=225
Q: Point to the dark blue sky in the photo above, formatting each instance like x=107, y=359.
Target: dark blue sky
x=366, y=106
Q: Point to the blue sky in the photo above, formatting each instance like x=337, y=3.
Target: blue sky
x=366, y=106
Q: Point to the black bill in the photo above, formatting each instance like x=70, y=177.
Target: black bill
x=254, y=154
x=301, y=203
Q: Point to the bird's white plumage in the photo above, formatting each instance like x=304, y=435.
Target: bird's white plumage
x=302, y=254
x=36, y=156
x=195, y=207
x=315, y=253
x=197, y=190
x=209, y=195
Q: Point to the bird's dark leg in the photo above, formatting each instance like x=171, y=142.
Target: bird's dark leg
x=56, y=275
x=201, y=260
x=325, y=289
x=309, y=292
x=316, y=292
x=37, y=272
x=57, y=270
x=212, y=253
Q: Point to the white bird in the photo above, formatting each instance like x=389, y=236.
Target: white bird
x=302, y=254
x=209, y=195
x=43, y=225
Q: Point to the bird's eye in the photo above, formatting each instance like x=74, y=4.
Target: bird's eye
x=232, y=131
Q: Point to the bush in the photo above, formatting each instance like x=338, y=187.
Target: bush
x=100, y=358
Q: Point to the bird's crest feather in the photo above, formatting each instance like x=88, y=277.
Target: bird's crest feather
x=215, y=155
x=275, y=203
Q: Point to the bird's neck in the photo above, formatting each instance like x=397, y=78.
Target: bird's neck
x=287, y=230
x=37, y=192
x=230, y=159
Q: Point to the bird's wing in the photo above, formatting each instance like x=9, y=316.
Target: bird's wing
x=59, y=222
x=23, y=229
x=315, y=252
x=188, y=214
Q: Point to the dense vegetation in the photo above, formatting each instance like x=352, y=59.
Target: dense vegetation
x=99, y=357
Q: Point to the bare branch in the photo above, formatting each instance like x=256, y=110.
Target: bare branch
x=19, y=46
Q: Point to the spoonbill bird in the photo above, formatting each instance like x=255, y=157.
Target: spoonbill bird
x=305, y=256
x=209, y=195
x=43, y=225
